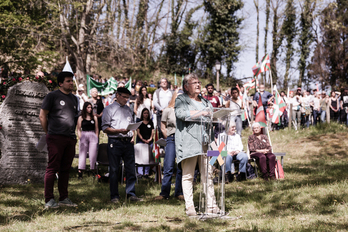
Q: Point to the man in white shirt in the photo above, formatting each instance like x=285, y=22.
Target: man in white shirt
x=81, y=96
x=235, y=152
x=161, y=98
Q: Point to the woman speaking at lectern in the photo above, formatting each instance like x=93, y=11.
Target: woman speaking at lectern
x=188, y=143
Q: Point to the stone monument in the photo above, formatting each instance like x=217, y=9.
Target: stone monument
x=20, y=131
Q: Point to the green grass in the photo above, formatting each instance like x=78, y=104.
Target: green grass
x=312, y=197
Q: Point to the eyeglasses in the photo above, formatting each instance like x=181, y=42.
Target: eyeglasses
x=195, y=83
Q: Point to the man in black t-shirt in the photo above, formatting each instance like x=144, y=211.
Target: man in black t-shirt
x=57, y=117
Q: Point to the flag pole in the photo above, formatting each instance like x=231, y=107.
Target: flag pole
x=246, y=107
x=270, y=73
x=269, y=138
x=248, y=119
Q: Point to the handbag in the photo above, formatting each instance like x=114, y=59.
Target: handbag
x=279, y=172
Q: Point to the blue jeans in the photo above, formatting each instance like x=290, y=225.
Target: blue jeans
x=306, y=118
x=118, y=149
x=168, y=167
x=243, y=159
x=322, y=116
x=316, y=113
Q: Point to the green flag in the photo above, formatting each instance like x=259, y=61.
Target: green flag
x=110, y=88
x=175, y=82
x=128, y=85
x=103, y=88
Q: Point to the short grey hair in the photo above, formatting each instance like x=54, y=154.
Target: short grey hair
x=163, y=78
x=187, y=78
x=90, y=91
x=255, y=124
x=232, y=123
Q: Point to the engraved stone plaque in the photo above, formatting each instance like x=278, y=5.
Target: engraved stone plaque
x=20, y=161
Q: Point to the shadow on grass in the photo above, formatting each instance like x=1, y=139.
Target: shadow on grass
x=322, y=171
x=88, y=193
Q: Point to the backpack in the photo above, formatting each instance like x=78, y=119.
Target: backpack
x=250, y=172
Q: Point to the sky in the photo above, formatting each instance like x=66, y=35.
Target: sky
x=243, y=68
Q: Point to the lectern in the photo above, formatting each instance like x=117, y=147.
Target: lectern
x=218, y=120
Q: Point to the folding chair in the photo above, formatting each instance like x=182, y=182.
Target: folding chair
x=144, y=157
x=103, y=159
x=236, y=162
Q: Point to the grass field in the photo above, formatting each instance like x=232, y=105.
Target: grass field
x=312, y=197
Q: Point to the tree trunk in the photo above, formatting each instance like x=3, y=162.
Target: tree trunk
x=266, y=29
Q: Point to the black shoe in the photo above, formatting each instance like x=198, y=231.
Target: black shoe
x=227, y=177
x=241, y=177
x=231, y=178
x=80, y=175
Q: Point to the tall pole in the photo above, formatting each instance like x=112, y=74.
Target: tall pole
x=217, y=68
x=218, y=80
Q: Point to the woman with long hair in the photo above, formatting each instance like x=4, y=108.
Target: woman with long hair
x=87, y=132
x=143, y=101
x=145, y=135
x=344, y=106
x=334, y=105
x=168, y=126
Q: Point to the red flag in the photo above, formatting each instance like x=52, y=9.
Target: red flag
x=260, y=114
x=262, y=66
x=279, y=101
x=156, y=150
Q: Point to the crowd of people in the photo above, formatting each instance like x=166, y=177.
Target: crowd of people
x=167, y=110
x=308, y=107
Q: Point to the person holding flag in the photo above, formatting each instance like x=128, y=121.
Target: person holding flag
x=278, y=108
x=265, y=96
